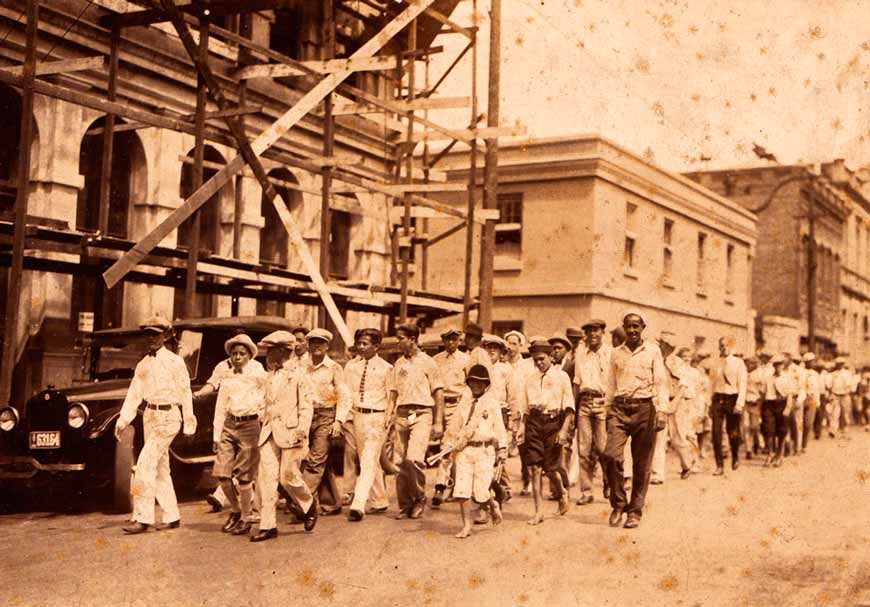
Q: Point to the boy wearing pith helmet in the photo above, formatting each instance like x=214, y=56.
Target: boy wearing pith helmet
x=237, y=430
x=283, y=438
x=478, y=436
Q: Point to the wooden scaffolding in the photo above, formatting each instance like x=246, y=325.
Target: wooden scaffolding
x=326, y=94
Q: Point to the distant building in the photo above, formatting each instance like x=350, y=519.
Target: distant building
x=781, y=198
x=589, y=229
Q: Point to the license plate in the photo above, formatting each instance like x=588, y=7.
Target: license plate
x=45, y=440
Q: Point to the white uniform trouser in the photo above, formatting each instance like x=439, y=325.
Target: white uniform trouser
x=838, y=405
x=679, y=426
x=284, y=466
x=152, y=479
x=370, y=434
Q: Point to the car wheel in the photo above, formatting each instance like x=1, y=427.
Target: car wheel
x=123, y=472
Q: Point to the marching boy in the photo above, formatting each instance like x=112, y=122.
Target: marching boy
x=237, y=430
x=479, y=440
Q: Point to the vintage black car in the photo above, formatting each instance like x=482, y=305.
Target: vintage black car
x=65, y=435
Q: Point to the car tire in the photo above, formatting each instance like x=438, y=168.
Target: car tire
x=123, y=472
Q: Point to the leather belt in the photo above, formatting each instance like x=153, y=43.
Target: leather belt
x=590, y=394
x=621, y=400
x=243, y=418
x=159, y=407
x=544, y=413
x=323, y=408
x=408, y=409
x=363, y=410
x=480, y=443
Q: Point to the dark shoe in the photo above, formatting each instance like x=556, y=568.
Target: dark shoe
x=380, y=510
x=417, y=510
x=311, y=517
x=585, y=500
x=355, y=516
x=735, y=464
x=167, y=526
x=656, y=481
x=241, y=528
x=632, y=522
x=615, y=518
x=232, y=521
x=330, y=511
x=212, y=501
x=720, y=471
x=136, y=528
x=264, y=534
x=686, y=473
x=553, y=498
x=606, y=492
x=403, y=514
x=749, y=455
x=438, y=498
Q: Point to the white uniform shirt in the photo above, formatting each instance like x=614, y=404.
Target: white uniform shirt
x=484, y=424
x=452, y=368
x=374, y=393
x=841, y=382
x=591, y=368
x=162, y=379
x=729, y=377
x=325, y=387
x=415, y=380
x=240, y=394
x=639, y=374
x=501, y=385
x=549, y=392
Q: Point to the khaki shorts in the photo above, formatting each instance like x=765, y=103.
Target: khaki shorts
x=474, y=471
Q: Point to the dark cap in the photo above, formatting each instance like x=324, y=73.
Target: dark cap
x=478, y=372
x=559, y=338
x=594, y=322
x=573, y=332
x=450, y=332
x=540, y=344
x=474, y=329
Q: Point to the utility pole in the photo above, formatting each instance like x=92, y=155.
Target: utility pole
x=490, y=170
x=811, y=273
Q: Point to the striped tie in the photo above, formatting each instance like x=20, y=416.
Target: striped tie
x=362, y=383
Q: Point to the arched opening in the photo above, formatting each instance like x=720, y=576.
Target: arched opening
x=128, y=181
x=209, y=226
x=274, y=242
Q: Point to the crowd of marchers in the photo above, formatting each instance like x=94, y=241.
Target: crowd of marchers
x=565, y=405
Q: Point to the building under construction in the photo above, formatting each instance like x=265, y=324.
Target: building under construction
x=227, y=157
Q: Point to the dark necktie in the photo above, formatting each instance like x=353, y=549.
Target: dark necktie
x=362, y=383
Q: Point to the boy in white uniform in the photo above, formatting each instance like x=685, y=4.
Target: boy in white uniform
x=479, y=440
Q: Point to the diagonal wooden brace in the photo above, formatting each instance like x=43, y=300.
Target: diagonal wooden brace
x=265, y=140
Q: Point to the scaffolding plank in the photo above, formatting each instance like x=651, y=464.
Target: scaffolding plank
x=431, y=103
x=489, y=132
x=216, y=8
x=450, y=24
x=331, y=66
x=63, y=66
x=265, y=140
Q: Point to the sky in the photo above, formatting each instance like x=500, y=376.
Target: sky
x=688, y=85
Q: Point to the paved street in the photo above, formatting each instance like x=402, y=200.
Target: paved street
x=795, y=536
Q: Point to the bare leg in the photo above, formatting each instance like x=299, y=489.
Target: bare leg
x=537, y=490
x=466, y=519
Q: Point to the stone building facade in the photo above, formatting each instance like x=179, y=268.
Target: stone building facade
x=589, y=229
x=784, y=198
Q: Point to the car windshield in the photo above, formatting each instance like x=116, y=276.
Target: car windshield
x=118, y=357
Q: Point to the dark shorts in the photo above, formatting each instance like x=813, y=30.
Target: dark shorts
x=238, y=455
x=541, y=448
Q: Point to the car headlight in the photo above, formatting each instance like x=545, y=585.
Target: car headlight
x=77, y=416
x=8, y=419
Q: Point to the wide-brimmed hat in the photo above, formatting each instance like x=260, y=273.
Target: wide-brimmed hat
x=157, y=324
x=241, y=339
x=478, y=372
x=559, y=338
x=320, y=334
x=574, y=332
x=277, y=339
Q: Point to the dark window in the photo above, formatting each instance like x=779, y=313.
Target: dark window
x=284, y=35
x=509, y=229
x=339, y=245
x=500, y=327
